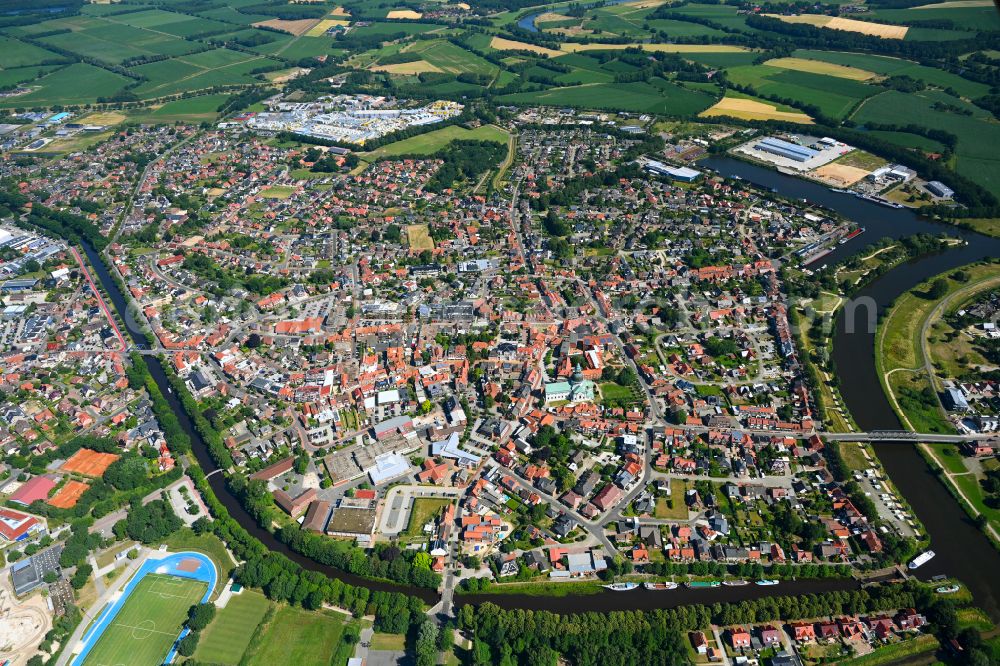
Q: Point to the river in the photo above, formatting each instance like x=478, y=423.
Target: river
x=961, y=549
x=528, y=22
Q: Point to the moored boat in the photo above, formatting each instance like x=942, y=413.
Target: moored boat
x=735, y=583
x=766, y=581
x=660, y=587
x=947, y=589
x=921, y=559
x=621, y=587
x=700, y=584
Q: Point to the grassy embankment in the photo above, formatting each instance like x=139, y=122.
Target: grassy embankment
x=912, y=339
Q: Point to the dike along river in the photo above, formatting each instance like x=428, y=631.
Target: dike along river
x=961, y=549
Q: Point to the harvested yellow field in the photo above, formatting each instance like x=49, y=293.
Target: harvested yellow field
x=415, y=67
x=549, y=17
x=297, y=28
x=866, y=28
x=419, y=237
x=403, y=14
x=340, y=11
x=285, y=75
x=462, y=5
x=573, y=47
x=957, y=4
x=751, y=109
x=839, y=175
x=645, y=4
x=501, y=44
x=849, y=25
x=819, y=67
x=106, y=118
x=320, y=28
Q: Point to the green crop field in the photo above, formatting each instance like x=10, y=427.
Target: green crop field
x=226, y=639
x=908, y=140
x=897, y=66
x=978, y=136
x=836, y=97
x=191, y=109
x=21, y=54
x=975, y=18
x=431, y=142
x=451, y=58
x=658, y=96
x=297, y=636
x=148, y=624
x=78, y=83
x=722, y=14
x=10, y=77
x=676, y=29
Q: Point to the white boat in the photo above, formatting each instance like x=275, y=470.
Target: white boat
x=735, y=583
x=947, y=589
x=621, y=587
x=660, y=587
x=921, y=559
x=765, y=581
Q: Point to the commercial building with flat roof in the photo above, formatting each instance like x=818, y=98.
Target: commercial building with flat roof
x=783, y=148
x=387, y=467
x=939, y=189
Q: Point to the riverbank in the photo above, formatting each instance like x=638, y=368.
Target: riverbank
x=964, y=487
x=902, y=357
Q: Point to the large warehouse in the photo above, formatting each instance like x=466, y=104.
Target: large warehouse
x=787, y=149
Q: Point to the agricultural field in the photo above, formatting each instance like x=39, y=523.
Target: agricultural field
x=657, y=96
x=835, y=97
x=574, y=47
x=742, y=106
x=149, y=622
x=976, y=15
x=978, y=136
x=431, y=142
x=501, y=44
x=78, y=83
x=882, y=30
x=191, y=109
x=821, y=67
x=22, y=54
x=886, y=66
x=155, y=52
x=297, y=636
x=448, y=57
x=226, y=639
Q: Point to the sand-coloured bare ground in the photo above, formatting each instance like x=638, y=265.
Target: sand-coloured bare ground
x=839, y=175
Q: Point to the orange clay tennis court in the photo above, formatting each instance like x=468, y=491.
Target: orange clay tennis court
x=89, y=463
x=68, y=495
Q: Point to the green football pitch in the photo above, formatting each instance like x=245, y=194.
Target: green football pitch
x=148, y=624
